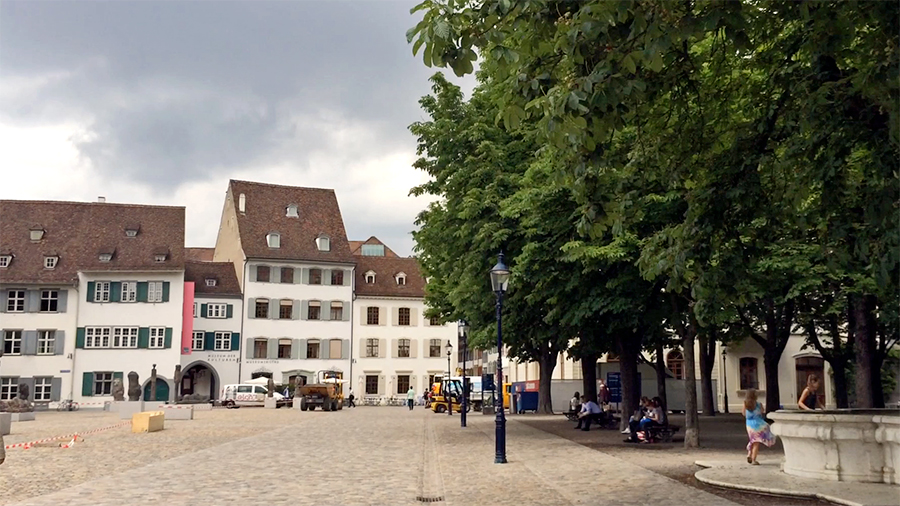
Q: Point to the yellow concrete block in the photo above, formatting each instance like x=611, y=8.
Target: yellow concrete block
x=148, y=421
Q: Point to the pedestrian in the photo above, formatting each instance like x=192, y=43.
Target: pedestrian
x=590, y=412
x=757, y=428
x=603, y=394
x=351, y=404
x=411, y=397
x=809, y=399
x=2, y=450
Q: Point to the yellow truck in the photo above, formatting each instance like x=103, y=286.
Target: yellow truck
x=327, y=393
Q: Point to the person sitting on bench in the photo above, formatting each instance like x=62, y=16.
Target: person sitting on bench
x=653, y=417
x=590, y=412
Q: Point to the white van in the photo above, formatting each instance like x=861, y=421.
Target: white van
x=245, y=394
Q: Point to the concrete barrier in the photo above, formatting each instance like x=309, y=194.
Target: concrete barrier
x=27, y=416
x=5, y=423
x=127, y=409
x=202, y=407
x=270, y=403
x=148, y=421
x=177, y=412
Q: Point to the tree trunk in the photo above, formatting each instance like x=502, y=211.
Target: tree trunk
x=864, y=346
x=589, y=376
x=877, y=387
x=661, y=377
x=707, y=360
x=839, y=372
x=547, y=364
x=691, y=418
x=631, y=387
x=773, y=394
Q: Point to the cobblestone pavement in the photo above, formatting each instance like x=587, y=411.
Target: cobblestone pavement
x=383, y=456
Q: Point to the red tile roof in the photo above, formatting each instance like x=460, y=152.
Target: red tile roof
x=79, y=232
x=222, y=272
x=319, y=214
x=356, y=247
x=199, y=254
x=385, y=269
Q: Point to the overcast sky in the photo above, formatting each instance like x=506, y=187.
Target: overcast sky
x=162, y=102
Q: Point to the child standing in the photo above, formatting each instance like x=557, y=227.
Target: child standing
x=809, y=399
x=757, y=428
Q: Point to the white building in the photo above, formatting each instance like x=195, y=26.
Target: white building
x=395, y=345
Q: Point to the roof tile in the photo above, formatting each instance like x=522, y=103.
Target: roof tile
x=222, y=272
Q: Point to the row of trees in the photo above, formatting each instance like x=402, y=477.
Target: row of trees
x=663, y=173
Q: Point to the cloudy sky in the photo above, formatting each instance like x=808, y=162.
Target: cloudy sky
x=162, y=102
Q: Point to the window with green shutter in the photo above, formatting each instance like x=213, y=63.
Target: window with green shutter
x=235, y=341
x=115, y=291
x=168, y=339
x=209, y=341
x=203, y=310
x=144, y=337
x=79, y=337
x=90, y=291
x=87, y=384
x=229, y=311
x=142, y=290
x=165, y=291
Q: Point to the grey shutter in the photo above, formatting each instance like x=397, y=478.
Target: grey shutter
x=251, y=308
x=382, y=315
x=295, y=311
x=274, y=305
x=302, y=349
x=33, y=301
x=55, y=389
x=413, y=348
x=325, y=311
x=30, y=383
x=345, y=312
x=275, y=275
x=395, y=316
x=60, y=344
x=326, y=276
x=325, y=348
x=382, y=346
x=248, y=347
x=62, y=302
x=394, y=349
x=347, y=276
x=272, y=351
x=252, y=273
x=361, y=352
x=304, y=310
x=413, y=317
x=295, y=349
x=29, y=342
x=304, y=276
x=362, y=316
x=345, y=349
x=381, y=384
x=3, y=298
x=298, y=276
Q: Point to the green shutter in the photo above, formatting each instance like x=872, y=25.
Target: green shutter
x=142, y=290
x=235, y=341
x=165, y=291
x=90, y=291
x=87, y=384
x=209, y=341
x=203, y=310
x=119, y=375
x=229, y=312
x=144, y=337
x=115, y=291
x=79, y=337
x=168, y=341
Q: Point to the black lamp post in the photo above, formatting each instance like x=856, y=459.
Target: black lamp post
x=725, y=377
x=499, y=284
x=464, y=342
x=448, y=397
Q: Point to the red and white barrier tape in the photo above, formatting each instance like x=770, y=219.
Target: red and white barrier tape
x=75, y=435
x=169, y=406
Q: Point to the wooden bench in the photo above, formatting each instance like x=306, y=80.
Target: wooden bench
x=662, y=433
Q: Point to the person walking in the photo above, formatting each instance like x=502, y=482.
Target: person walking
x=350, y=403
x=809, y=399
x=411, y=397
x=757, y=428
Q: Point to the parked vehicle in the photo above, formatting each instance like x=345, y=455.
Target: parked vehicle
x=244, y=394
x=327, y=393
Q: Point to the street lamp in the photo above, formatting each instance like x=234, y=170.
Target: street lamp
x=447, y=395
x=499, y=284
x=464, y=342
x=725, y=377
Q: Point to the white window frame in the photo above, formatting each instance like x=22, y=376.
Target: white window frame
x=223, y=341
x=154, y=291
x=291, y=211
x=101, y=291
x=49, y=296
x=323, y=243
x=130, y=232
x=370, y=274
x=11, y=337
x=210, y=282
x=46, y=344
x=198, y=334
x=372, y=345
x=9, y=388
x=105, y=257
x=159, y=258
x=5, y=260
x=125, y=337
x=216, y=310
x=102, y=378
x=15, y=301
x=273, y=240
x=94, y=337
x=157, y=337
x=129, y=291
x=42, y=388
x=50, y=262
x=195, y=309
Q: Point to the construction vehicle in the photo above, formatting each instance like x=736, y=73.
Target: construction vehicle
x=444, y=388
x=326, y=393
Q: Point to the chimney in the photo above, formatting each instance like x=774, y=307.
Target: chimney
x=101, y=199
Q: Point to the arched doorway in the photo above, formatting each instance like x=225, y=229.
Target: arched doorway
x=162, y=390
x=200, y=379
x=675, y=363
x=810, y=365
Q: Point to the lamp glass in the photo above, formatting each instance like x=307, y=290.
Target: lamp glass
x=500, y=276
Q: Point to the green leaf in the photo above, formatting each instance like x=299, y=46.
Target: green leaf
x=656, y=62
x=628, y=63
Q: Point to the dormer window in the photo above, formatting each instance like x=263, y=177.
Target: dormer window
x=36, y=233
x=323, y=243
x=5, y=260
x=370, y=278
x=273, y=240
x=210, y=282
x=401, y=279
x=291, y=211
x=160, y=254
x=132, y=229
x=159, y=258
x=105, y=257
x=50, y=261
x=242, y=203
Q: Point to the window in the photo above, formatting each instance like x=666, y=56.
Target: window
x=273, y=240
x=335, y=350
x=312, y=348
x=675, y=363
x=431, y=380
x=749, y=377
x=403, y=348
x=223, y=341
x=284, y=348
x=242, y=205
x=434, y=348
x=286, y=309
x=155, y=291
x=12, y=342
x=160, y=257
x=262, y=308
x=401, y=279
x=131, y=232
x=46, y=342
x=5, y=260
x=195, y=310
x=372, y=250
x=371, y=347
x=49, y=301
x=96, y=337
x=435, y=321
x=402, y=383
x=314, y=311
x=36, y=234
x=262, y=273
x=287, y=275
x=103, y=383
x=42, y=389
x=125, y=337
x=291, y=211
x=50, y=262
x=337, y=311
x=370, y=277
x=129, y=291
x=105, y=257
x=260, y=346
x=101, y=291
x=337, y=277
x=323, y=243
x=157, y=337
x=245, y=389
x=211, y=282
x=15, y=302
x=315, y=276
x=197, y=341
x=371, y=384
x=403, y=316
x=372, y=315
x=216, y=310
x=9, y=388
